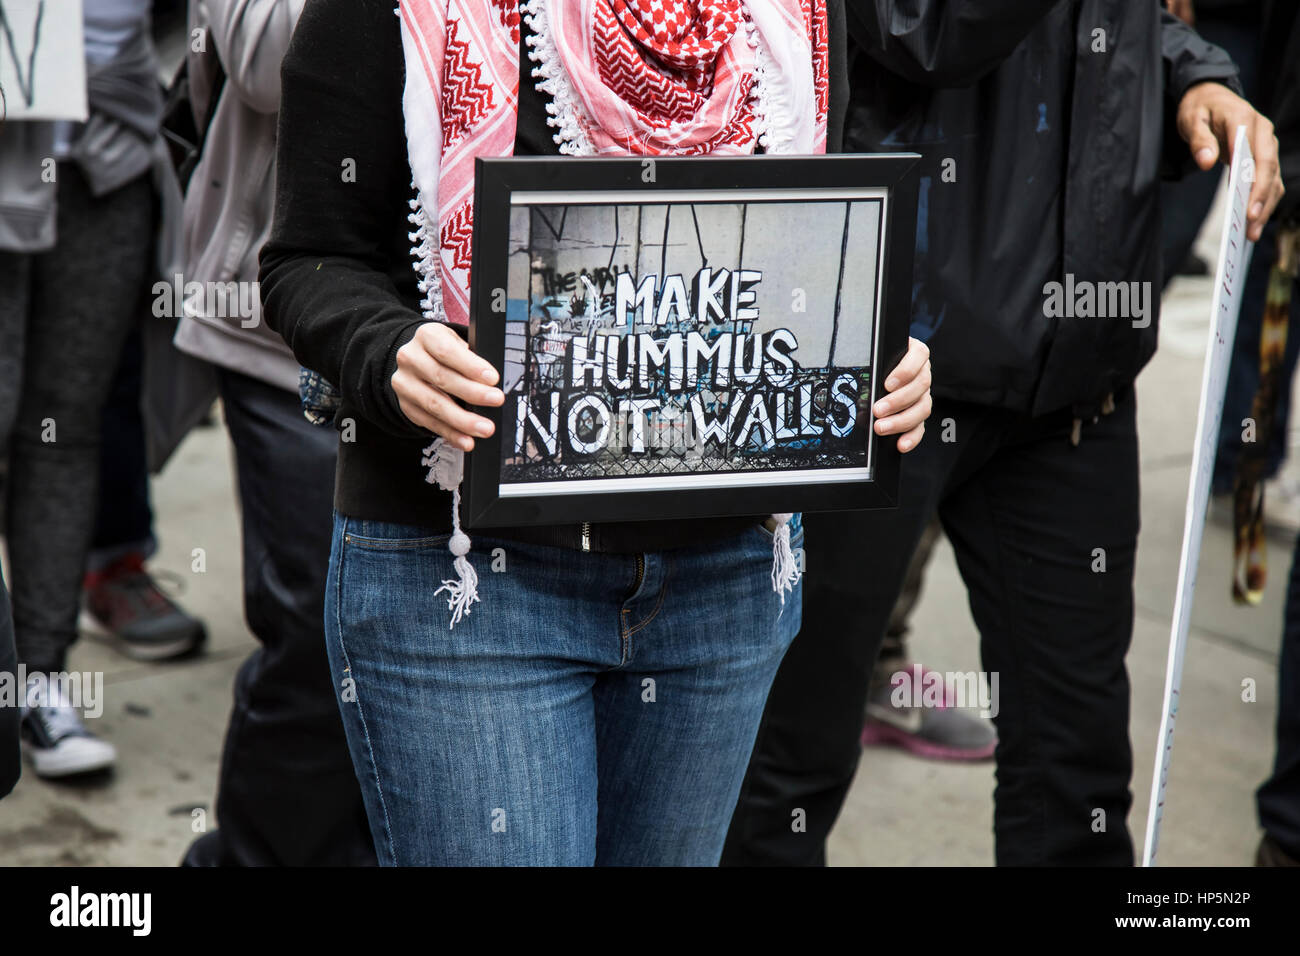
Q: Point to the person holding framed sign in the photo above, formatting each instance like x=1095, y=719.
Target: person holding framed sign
x=599, y=704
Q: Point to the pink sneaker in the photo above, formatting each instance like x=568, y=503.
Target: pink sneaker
x=899, y=715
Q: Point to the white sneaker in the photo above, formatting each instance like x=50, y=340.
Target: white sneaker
x=1282, y=504
x=56, y=740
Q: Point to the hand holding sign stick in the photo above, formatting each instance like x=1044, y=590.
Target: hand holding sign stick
x=1234, y=257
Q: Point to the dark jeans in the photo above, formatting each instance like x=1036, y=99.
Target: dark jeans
x=286, y=794
x=124, y=520
x=894, y=645
x=1025, y=512
x=64, y=315
x=10, y=760
x=1279, y=797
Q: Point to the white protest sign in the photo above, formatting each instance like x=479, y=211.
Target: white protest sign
x=1234, y=258
x=42, y=60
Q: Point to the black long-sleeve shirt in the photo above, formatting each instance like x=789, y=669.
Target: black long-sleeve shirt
x=337, y=278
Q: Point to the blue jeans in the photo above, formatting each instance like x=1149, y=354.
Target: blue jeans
x=592, y=709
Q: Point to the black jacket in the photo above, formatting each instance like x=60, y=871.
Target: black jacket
x=1057, y=136
x=1279, y=75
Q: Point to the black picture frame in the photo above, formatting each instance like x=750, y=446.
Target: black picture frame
x=743, y=179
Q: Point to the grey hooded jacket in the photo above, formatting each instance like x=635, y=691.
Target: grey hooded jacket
x=231, y=197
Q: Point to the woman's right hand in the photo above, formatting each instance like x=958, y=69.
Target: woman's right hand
x=433, y=370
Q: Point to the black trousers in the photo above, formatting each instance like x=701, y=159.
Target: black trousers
x=1033, y=520
x=287, y=794
x=124, y=516
x=1278, y=799
x=10, y=759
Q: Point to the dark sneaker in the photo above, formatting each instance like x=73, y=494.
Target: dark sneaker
x=1270, y=854
x=1194, y=265
x=56, y=740
x=206, y=850
x=940, y=731
x=123, y=602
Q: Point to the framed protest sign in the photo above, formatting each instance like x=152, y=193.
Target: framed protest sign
x=687, y=337
x=42, y=60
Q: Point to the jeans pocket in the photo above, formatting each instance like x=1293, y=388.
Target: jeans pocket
x=387, y=536
x=796, y=531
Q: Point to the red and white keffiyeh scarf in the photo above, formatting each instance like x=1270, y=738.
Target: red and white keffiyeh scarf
x=640, y=77
x=643, y=77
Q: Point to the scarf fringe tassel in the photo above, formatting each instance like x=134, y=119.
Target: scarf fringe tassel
x=785, y=569
x=446, y=464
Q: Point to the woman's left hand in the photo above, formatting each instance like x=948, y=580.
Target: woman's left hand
x=904, y=410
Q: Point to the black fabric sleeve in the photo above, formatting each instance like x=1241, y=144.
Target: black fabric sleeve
x=1188, y=59
x=336, y=275
x=940, y=43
